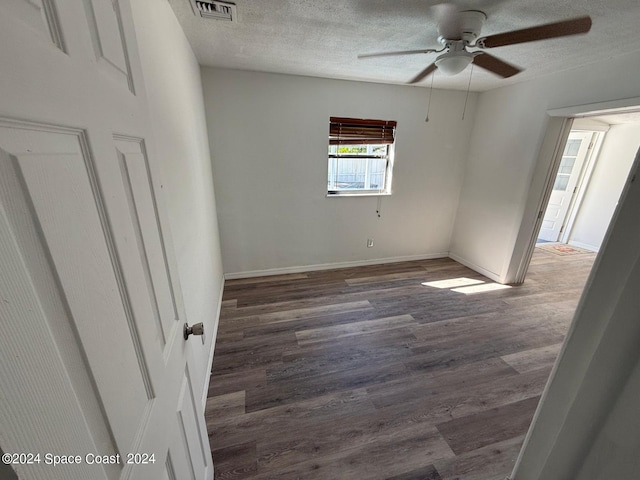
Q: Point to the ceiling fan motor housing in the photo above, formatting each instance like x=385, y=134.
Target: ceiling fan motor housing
x=469, y=25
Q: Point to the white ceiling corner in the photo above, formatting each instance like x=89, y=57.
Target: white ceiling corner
x=322, y=39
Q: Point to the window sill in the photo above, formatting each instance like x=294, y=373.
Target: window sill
x=358, y=194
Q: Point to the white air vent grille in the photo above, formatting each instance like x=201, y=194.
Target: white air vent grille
x=214, y=9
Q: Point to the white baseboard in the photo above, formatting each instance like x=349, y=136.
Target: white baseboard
x=586, y=246
x=216, y=322
x=487, y=273
x=329, y=266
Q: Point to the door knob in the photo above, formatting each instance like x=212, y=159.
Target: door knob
x=196, y=329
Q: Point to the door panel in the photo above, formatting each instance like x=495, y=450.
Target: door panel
x=57, y=176
x=143, y=209
x=168, y=468
x=43, y=388
x=193, y=434
x=105, y=24
x=569, y=170
x=41, y=16
x=39, y=374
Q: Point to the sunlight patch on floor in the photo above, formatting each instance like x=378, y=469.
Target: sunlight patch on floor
x=452, y=282
x=485, y=287
x=466, y=285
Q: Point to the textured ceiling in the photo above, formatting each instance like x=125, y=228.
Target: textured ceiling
x=322, y=39
x=620, y=118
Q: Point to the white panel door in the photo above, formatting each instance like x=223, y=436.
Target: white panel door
x=573, y=157
x=94, y=370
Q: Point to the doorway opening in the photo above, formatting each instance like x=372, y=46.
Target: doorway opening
x=585, y=183
x=588, y=182
x=568, y=187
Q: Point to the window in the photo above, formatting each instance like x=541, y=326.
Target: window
x=566, y=165
x=360, y=156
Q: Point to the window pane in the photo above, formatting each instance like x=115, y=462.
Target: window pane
x=360, y=150
x=357, y=167
x=561, y=182
x=352, y=149
x=332, y=173
x=377, y=169
x=350, y=173
x=377, y=181
x=566, y=165
x=572, y=147
x=356, y=173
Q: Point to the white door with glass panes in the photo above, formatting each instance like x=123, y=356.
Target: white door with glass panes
x=95, y=373
x=565, y=184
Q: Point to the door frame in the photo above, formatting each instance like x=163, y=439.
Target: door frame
x=559, y=126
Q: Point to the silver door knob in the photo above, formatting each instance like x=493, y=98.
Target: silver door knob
x=196, y=329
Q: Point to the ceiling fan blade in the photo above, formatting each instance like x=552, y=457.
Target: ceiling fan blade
x=391, y=54
x=495, y=65
x=564, y=28
x=424, y=73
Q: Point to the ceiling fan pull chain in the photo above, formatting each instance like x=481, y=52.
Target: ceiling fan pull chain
x=468, y=88
x=429, y=99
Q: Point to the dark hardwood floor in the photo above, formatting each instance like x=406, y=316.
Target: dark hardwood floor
x=366, y=373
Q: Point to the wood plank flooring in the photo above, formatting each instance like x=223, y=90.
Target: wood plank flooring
x=366, y=373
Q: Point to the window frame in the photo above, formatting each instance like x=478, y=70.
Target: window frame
x=387, y=173
x=361, y=133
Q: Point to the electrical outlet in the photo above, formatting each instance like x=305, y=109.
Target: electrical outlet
x=369, y=242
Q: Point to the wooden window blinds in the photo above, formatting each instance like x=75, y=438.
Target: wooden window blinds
x=357, y=131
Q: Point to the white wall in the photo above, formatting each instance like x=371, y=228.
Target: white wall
x=174, y=90
x=611, y=170
x=509, y=128
x=268, y=135
x=614, y=452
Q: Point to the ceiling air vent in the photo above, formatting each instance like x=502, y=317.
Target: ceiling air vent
x=214, y=9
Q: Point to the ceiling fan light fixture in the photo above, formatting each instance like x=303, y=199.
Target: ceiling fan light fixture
x=453, y=63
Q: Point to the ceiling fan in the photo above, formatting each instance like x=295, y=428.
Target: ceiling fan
x=459, y=30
